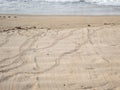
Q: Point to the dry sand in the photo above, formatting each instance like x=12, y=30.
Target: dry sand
x=59, y=52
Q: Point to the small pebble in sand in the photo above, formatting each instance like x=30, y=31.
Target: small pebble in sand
x=105, y=23
x=9, y=16
x=41, y=28
x=89, y=25
x=15, y=16
x=18, y=27
x=48, y=28
x=4, y=16
x=64, y=84
x=34, y=27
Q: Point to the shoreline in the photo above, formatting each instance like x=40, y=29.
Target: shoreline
x=58, y=15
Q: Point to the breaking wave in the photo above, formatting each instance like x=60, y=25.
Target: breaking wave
x=60, y=7
x=99, y=2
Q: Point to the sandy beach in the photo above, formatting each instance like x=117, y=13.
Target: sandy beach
x=59, y=52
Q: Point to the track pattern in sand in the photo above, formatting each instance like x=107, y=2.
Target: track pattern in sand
x=69, y=59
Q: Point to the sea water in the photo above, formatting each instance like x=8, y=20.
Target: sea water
x=60, y=7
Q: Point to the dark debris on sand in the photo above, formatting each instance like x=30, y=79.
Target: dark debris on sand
x=18, y=28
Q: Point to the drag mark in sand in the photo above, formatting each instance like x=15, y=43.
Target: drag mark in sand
x=38, y=53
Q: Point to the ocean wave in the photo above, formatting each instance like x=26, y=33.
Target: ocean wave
x=99, y=2
x=60, y=7
x=105, y=2
x=63, y=0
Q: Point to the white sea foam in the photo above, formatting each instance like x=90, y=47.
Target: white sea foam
x=61, y=7
x=100, y=2
x=105, y=2
x=63, y=0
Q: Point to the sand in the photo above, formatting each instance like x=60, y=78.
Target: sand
x=59, y=52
